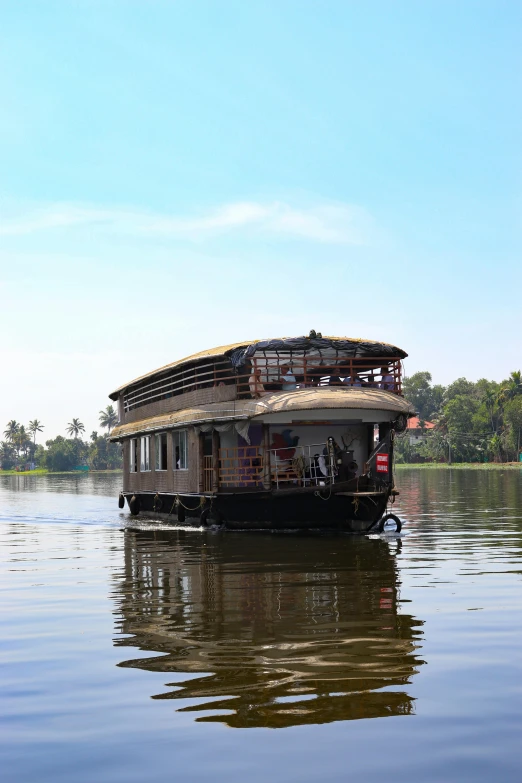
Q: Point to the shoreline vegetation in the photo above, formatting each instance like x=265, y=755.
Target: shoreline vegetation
x=19, y=452
x=45, y=472
x=458, y=466
x=464, y=423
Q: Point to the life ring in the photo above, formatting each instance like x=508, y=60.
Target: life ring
x=134, y=505
x=386, y=518
x=121, y=500
x=157, y=503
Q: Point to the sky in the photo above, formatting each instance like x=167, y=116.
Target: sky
x=179, y=175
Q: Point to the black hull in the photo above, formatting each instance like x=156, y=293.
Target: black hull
x=328, y=509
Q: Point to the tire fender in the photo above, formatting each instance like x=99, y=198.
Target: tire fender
x=134, y=505
x=386, y=518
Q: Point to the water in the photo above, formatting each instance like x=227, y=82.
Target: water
x=146, y=654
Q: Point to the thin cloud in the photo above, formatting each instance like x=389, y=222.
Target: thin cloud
x=328, y=223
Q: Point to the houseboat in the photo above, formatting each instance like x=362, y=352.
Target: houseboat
x=292, y=432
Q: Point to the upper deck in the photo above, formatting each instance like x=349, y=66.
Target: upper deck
x=251, y=370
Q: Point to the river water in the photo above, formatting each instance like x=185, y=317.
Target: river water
x=153, y=654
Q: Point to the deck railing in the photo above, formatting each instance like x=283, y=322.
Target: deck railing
x=304, y=372
x=241, y=466
x=265, y=374
x=312, y=465
x=244, y=466
x=208, y=473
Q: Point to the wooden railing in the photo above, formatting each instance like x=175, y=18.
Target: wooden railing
x=244, y=466
x=240, y=467
x=266, y=373
x=301, y=372
x=208, y=473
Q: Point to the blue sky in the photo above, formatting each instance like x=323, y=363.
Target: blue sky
x=177, y=175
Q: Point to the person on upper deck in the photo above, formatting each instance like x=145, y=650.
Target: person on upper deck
x=353, y=380
x=287, y=378
x=387, y=383
x=257, y=388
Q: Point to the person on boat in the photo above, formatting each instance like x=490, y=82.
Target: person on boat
x=387, y=382
x=287, y=378
x=257, y=388
x=353, y=380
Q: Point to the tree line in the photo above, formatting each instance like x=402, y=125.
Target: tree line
x=19, y=447
x=474, y=422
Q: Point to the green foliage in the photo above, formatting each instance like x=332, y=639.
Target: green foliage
x=104, y=455
x=424, y=397
x=474, y=422
x=59, y=454
x=64, y=454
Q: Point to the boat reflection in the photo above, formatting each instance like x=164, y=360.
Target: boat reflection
x=273, y=630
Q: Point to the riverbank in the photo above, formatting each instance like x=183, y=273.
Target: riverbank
x=460, y=465
x=44, y=471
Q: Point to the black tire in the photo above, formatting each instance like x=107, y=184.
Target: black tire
x=181, y=513
x=121, y=500
x=400, y=424
x=386, y=518
x=209, y=516
x=134, y=505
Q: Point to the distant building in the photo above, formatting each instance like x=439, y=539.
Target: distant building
x=416, y=433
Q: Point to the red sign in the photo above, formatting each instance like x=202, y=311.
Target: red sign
x=381, y=462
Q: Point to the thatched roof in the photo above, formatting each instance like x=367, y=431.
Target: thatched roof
x=278, y=402
x=251, y=345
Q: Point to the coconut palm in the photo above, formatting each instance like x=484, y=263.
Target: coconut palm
x=23, y=441
x=11, y=430
x=108, y=418
x=74, y=428
x=490, y=399
x=34, y=427
x=94, y=436
x=514, y=385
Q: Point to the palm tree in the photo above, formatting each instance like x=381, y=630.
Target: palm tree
x=34, y=427
x=490, y=398
x=94, y=436
x=108, y=418
x=514, y=385
x=74, y=427
x=23, y=441
x=11, y=431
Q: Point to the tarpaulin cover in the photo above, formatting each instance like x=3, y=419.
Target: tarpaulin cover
x=350, y=348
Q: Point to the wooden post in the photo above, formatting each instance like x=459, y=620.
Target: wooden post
x=201, y=462
x=267, y=468
x=215, y=461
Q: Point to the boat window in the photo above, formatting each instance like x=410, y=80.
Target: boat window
x=133, y=456
x=145, y=453
x=161, y=451
x=179, y=450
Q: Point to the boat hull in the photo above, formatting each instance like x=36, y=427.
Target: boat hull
x=320, y=509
